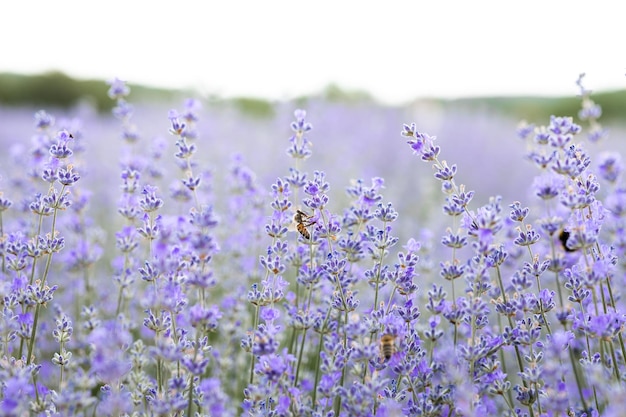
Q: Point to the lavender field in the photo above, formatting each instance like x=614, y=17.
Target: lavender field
x=333, y=259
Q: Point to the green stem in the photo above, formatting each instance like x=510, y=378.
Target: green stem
x=252, y=360
x=31, y=342
x=295, y=382
x=190, y=401
x=318, y=357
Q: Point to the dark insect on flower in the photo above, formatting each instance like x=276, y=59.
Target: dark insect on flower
x=563, y=236
x=387, y=346
x=301, y=219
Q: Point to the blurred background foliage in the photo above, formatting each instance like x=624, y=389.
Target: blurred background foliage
x=59, y=90
x=55, y=89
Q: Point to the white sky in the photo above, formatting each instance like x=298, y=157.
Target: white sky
x=396, y=50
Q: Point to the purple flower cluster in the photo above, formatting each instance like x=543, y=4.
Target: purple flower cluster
x=207, y=295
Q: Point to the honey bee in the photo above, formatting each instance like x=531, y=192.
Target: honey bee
x=387, y=346
x=301, y=219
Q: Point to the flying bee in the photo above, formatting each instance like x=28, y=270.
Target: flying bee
x=302, y=222
x=387, y=346
x=563, y=236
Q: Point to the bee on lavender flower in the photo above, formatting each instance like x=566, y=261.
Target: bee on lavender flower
x=387, y=346
x=302, y=222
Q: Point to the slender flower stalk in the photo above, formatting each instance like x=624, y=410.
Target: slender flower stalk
x=62, y=334
x=58, y=170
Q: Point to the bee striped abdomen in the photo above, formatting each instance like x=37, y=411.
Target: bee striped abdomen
x=300, y=218
x=303, y=231
x=387, y=346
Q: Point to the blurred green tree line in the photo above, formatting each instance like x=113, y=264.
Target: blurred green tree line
x=56, y=89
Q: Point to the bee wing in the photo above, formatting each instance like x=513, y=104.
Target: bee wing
x=293, y=227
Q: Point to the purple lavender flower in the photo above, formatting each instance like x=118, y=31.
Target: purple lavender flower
x=610, y=166
x=118, y=89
